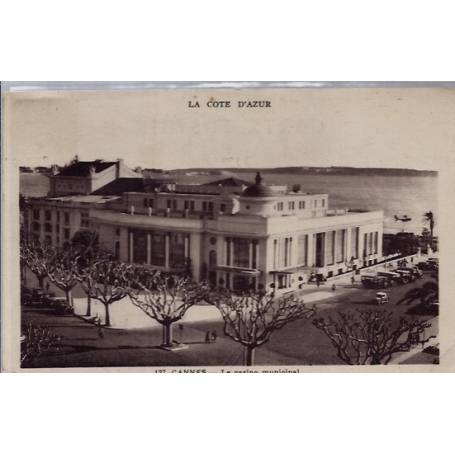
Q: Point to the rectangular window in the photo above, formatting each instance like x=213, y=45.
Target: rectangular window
x=355, y=242
x=84, y=219
x=36, y=226
x=36, y=214
x=315, y=203
x=330, y=248
x=291, y=205
x=48, y=227
x=323, y=202
x=228, y=251
x=255, y=254
x=66, y=234
x=47, y=215
x=370, y=243
x=302, y=244
x=58, y=217
x=168, y=203
x=210, y=207
x=376, y=234
x=186, y=205
x=223, y=208
x=174, y=204
x=339, y=245
x=204, y=206
x=365, y=242
x=301, y=204
x=139, y=247
x=279, y=206
x=241, y=252
x=66, y=218
x=177, y=250
x=191, y=205
x=158, y=249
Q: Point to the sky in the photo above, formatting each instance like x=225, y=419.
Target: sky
x=362, y=127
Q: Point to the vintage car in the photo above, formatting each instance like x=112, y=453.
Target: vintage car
x=416, y=272
x=374, y=281
x=382, y=298
x=393, y=277
x=406, y=275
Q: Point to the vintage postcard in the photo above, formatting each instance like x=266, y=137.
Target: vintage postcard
x=228, y=227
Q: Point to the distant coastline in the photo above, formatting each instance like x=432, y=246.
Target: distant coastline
x=314, y=170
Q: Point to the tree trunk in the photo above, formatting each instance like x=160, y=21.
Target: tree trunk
x=69, y=298
x=167, y=334
x=249, y=355
x=107, y=319
x=89, y=306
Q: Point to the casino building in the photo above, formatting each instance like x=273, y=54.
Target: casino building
x=230, y=232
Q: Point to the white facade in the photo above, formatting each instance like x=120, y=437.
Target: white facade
x=263, y=238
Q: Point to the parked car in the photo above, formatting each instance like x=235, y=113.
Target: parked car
x=393, y=277
x=406, y=275
x=416, y=272
x=374, y=281
x=60, y=305
x=382, y=298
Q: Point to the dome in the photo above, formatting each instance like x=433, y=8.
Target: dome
x=258, y=189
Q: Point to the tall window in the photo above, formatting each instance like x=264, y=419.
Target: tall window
x=158, y=248
x=330, y=248
x=339, y=245
x=177, y=249
x=210, y=207
x=174, y=204
x=291, y=205
x=279, y=206
x=140, y=247
x=84, y=219
x=241, y=252
x=365, y=242
x=66, y=218
x=36, y=214
x=302, y=255
x=47, y=215
x=376, y=234
x=301, y=204
x=355, y=242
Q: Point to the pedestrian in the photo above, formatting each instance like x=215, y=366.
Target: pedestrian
x=207, y=337
x=100, y=328
x=352, y=280
x=214, y=336
x=334, y=287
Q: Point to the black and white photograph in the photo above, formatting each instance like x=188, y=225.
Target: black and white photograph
x=198, y=228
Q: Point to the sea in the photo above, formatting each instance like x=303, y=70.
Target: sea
x=395, y=195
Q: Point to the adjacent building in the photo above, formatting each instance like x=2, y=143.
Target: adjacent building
x=231, y=232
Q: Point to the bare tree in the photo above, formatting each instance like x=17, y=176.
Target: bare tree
x=165, y=298
x=251, y=318
x=372, y=337
x=108, y=282
x=37, y=257
x=62, y=271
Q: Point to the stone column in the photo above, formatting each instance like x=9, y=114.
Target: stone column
x=131, y=246
x=250, y=254
x=187, y=246
x=166, y=250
